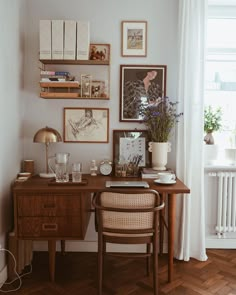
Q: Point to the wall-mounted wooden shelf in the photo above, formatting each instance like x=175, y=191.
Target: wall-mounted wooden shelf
x=75, y=62
x=100, y=78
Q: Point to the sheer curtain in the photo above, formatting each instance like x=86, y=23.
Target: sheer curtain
x=190, y=216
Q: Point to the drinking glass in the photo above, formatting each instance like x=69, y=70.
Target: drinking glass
x=77, y=172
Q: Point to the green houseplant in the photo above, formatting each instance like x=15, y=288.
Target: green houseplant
x=212, y=122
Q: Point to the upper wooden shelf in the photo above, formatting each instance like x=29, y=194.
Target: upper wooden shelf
x=75, y=62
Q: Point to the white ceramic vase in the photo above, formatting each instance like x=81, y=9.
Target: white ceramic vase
x=159, y=152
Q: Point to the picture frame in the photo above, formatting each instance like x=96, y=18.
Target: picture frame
x=130, y=152
x=98, y=89
x=134, y=95
x=99, y=52
x=134, y=38
x=90, y=125
x=85, y=81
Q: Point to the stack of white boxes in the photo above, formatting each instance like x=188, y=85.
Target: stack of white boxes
x=64, y=39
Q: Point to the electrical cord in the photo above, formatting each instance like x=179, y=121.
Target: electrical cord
x=18, y=277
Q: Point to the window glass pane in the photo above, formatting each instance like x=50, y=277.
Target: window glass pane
x=221, y=76
x=221, y=33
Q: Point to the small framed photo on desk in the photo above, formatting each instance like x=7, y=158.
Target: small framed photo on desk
x=130, y=152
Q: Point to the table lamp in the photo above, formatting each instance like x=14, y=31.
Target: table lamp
x=47, y=135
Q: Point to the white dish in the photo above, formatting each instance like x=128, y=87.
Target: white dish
x=162, y=182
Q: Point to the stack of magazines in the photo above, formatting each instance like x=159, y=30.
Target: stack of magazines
x=151, y=173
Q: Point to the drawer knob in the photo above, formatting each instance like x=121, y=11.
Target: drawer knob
x=49, y=206
x=50, y=226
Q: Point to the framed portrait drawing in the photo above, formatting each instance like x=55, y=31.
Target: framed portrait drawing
x=140, y=86
x=130, y=151
x=86, y=125
x=134, y=38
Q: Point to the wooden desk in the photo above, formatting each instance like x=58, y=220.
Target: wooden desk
x=44, y=210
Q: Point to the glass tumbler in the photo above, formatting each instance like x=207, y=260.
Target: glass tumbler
x=77, y=172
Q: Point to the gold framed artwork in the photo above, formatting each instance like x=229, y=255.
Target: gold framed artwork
x=86, y=125
x=134, y=38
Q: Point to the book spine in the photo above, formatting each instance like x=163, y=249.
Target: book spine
x=53, y=73
x=62, y=73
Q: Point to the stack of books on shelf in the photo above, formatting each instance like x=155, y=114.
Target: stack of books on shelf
x=56, y=76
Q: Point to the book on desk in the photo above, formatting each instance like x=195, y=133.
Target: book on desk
x=151, y=173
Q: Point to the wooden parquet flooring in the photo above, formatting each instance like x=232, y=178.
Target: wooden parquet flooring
x=76, y=275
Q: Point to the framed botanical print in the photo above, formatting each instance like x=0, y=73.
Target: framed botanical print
x=140, y=86
x=130, y=151
x=86, y=125
x=134, y=38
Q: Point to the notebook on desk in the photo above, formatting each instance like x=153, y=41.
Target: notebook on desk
x=117, y=184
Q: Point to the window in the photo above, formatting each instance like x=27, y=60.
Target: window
x=221, y=72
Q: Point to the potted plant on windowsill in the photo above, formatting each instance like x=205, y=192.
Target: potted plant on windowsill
x=212, y=122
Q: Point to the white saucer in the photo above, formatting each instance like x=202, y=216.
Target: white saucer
x=161, y=182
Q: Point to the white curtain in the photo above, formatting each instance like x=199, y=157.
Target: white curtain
x=190, y=216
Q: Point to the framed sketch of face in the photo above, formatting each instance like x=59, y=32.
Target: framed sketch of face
x=140, y=85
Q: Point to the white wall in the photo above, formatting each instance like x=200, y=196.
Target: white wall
x=11, y=109
x=105, y=19
x=22, y=112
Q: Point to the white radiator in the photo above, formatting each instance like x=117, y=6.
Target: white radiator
x=226, y=203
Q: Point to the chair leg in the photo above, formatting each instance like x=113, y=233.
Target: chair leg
x=148, y=262
x=161, y=225
x=63, y=247
x=155, y=265
x=100, y=264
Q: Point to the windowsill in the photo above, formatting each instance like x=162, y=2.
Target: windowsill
x=220, y=165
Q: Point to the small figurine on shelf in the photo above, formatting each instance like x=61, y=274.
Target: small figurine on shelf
x=93, y=168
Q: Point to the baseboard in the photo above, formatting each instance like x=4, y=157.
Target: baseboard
x=3, y=276
x=215, y=243
x=91, y=246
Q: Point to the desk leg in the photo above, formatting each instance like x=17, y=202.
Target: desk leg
x=171, y=229
x=52, y=255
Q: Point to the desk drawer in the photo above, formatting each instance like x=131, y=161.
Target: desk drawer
x=61, y=227
x=48, y=205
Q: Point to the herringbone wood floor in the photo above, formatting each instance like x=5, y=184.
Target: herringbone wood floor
x=76, y=275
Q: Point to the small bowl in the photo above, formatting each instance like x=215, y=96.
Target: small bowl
x=24, y=174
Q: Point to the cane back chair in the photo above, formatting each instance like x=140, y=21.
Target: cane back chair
x=128, y=217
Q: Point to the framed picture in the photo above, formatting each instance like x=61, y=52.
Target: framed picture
x=134, y=38
x=86, y=125
x=99, y=52
x=86, y=85
x=140, y=86
x=130, y=151
x=98, y=89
